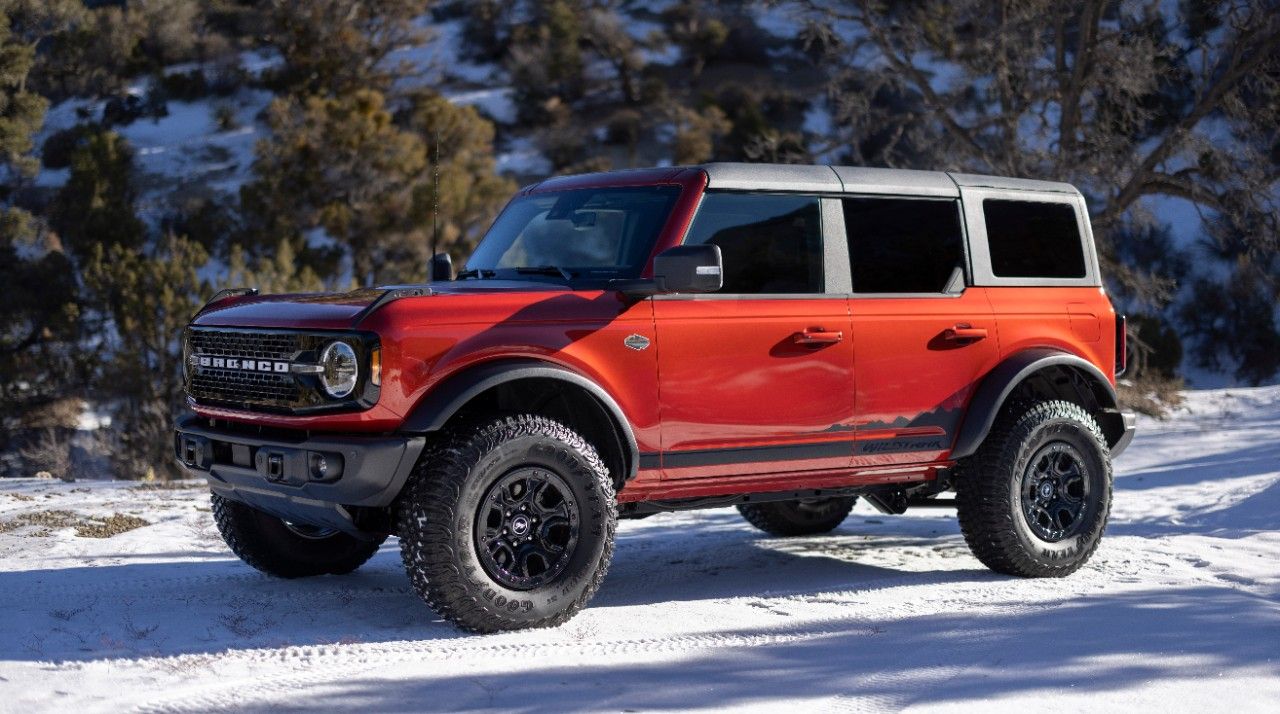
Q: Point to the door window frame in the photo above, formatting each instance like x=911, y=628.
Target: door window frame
x=980, y=248
x=966, y=261
x=835, y=278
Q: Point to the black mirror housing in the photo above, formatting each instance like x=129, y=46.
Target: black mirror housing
x=689, y=269
x=440, y=269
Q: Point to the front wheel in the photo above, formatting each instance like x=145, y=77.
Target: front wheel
x=508, y=524
x=1034, y=499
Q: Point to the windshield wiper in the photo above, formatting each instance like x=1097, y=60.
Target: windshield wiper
x=476, y=273
x=545, y=270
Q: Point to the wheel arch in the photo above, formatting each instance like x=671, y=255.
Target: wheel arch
x=1041, y=371
x=551, y=390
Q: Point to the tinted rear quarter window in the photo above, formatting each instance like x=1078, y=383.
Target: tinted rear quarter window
x=899, y=245
x=1032, y=239
x=769, y=243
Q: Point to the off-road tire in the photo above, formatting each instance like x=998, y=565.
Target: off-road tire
x=266, y=543
x=989, y=489
x=798, y=518
x=440, y=511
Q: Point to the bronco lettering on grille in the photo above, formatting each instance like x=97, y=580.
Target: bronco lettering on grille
x=240, y=363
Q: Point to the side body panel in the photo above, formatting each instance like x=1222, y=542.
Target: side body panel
x=741, y=396
x=913, y=381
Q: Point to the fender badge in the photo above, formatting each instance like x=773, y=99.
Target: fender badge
x=636, y=342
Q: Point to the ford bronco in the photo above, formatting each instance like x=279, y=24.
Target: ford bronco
x=784, y=339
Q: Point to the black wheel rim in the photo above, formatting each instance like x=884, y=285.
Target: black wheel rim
x=1055, y=492
x=526, y=528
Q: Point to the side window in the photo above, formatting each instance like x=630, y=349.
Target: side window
x=1030, y=239
x=770, y=243
x=902, y=245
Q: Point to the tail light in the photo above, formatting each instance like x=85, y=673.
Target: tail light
x=1122, y=345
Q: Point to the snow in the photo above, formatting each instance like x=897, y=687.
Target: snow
x=496, y=102
x=1180, y=604
x=522, y=158
x=440, y=55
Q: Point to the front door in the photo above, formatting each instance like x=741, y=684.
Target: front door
x=758, y=377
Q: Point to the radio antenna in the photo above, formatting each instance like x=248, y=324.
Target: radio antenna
x=435, y=209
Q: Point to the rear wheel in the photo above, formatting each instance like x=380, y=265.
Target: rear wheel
x=805, y=516
x=288, y=550
x=1034, y=499
x=508, y=524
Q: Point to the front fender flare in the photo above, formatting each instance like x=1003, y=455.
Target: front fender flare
x=1001, y=381
x=446, y=399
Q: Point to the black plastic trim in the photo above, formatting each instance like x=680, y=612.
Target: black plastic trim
x=443, y=402
x=223, y=295
x=1006, y=377
x=390, y=295
x=374, y=468
x=754, y=454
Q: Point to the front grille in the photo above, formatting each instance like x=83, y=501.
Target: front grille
x=240, y=388
x=259, y=345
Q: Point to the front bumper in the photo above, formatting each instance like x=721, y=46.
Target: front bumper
x=312, y=480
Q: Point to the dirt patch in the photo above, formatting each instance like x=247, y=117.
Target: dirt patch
x=22, y=497
x=169, y=485
x=48, y=521
x=45, y=519
x=112, y=525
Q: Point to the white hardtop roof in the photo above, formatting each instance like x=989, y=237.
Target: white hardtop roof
x=808, y=178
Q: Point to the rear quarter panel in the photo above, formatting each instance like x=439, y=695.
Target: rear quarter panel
x=1079, y=320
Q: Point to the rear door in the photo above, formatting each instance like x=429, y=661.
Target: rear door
x=757, y=378
x=923, y=337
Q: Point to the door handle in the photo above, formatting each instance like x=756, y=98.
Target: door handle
x=815, y=336
x=964, y=332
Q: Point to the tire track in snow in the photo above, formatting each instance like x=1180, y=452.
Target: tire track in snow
x=319, y=665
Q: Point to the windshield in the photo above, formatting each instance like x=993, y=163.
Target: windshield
x=584, y=235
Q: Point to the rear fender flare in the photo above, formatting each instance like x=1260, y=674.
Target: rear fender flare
x=444, y=401
x=1005, y=378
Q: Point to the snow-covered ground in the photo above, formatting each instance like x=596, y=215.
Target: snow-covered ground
x=1179, y=610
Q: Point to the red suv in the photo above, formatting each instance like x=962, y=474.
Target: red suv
x=785, y=339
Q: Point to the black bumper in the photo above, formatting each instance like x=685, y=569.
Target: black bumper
x=1129, y=424
x=314, y=480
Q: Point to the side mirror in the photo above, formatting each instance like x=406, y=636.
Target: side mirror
x=689, y=269
x=440, y=269
x=682, y=269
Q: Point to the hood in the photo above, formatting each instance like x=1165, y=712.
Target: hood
x=340, y=311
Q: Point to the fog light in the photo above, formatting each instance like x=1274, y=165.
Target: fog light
x=319, y=466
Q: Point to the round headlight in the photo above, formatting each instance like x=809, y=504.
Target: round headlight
x=340, y=369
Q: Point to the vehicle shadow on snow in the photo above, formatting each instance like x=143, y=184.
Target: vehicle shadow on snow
x=203, y=605
x=1098, y=643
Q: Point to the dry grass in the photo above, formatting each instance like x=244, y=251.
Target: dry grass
x=50, y=454
x=1151, y=395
